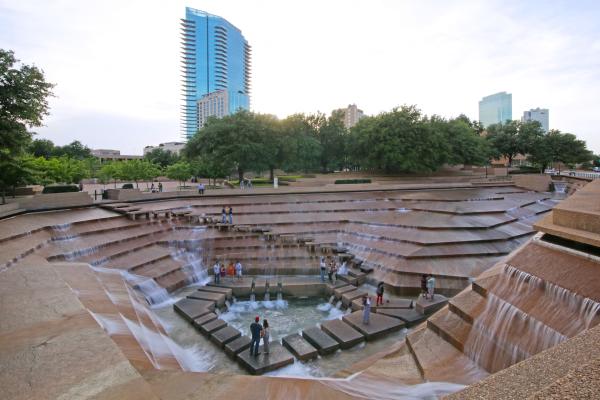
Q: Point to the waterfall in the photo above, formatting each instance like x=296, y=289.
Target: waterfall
x=338, y=305
x=343, y=269
x=252, y=297
x=267, y=296
x=332, y=299
x=154, y=294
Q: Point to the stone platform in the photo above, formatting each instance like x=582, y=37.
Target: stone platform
x=345, y=335
x=378, y=326
x=324, y=343
x=299, y=347
x=278, y=357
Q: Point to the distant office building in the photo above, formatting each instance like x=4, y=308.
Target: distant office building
x=173, y=147
x=215, y=58
x=215, y=104
x=541, y=115
x=112, y=155
x=495, y=108
x=352, y=114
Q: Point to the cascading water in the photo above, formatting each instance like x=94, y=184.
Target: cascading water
x=523, y=316
x=154, y=294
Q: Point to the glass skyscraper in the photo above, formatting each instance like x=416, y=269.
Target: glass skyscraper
x=215, y=58
x=540, y=115
x=495, y=108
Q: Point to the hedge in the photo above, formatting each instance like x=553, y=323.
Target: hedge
x=60, y=189
x=127, y=186
x=350, y=181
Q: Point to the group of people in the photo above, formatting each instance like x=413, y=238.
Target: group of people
x=246, y=183
x=258, y=331
x=328, y=265
x=427, y=286
x=232, y=270
x=156, y=189
x=225, y=212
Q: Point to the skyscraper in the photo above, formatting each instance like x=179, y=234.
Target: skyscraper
x=495, y=108
x=541, y=115
x=215, y=58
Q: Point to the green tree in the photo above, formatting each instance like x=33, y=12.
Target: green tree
x=24, y=96
x=75, y=149
x=233, y=142
x=16, y=173
x=137, y=170
x=180, y=171
x=161, y=157
x=300, y=147
x=331, y=134
x=41, y=148
x=465, y=145
x=559, y=147
x=398, y=141
x=514, y=137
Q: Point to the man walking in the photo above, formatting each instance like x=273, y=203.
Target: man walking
x=255, y=330
x=379, y=294
x=230, y=215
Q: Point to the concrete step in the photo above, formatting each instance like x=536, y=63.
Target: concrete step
x=190, y=309
x=278, y=357
x=378, y=326
x=324, y=343
x=345, y=335
x=236, y=346
x=224, y=335
x=299, y=347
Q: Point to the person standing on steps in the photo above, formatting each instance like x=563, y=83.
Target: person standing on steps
x=230, y=215
x=424, y=286
x=323, y=267
x=231, y=271
x=238, y=270
x=217, y=272
x=379, y=292
x=431, y=287
x=223, y=216
x=255, y=333
x=160, y=187
x=266, y=335
x=223, y=271
x=366, y=309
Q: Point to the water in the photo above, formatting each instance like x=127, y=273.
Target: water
x=154, y=294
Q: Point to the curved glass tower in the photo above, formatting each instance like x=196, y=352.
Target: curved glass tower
x=215, y=58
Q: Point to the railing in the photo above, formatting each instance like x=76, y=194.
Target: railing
x=576, y=174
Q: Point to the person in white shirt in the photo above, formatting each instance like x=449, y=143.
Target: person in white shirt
x=238, y=269
x=430, y=286
x=217, y=271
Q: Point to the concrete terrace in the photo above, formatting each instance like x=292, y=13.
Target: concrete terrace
x=75, y=287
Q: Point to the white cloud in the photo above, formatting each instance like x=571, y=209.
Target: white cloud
x=118, y=61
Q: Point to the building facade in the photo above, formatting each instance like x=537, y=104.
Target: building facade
x=215, y=104
x=352, y=114
x=541, y=115
x=215, y=58
x=496, y=108
x=173, y=147
x=105, y=155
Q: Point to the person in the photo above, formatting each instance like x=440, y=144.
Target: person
x=366, y=309
x=230, y=215
x=201, y=188
x=430, y=286
x=222, y=271
x=217, y=272
x=223, y=215
x=238, y=269
x=255, y=333
x=379, y=294
x=424, y=285
x=160, y=186
x=249, y=184
x=330, y=272
x=81, y=186
x=152, y=187
x=242, y=184
x=266, y=336
x=323, y=268
x=231, y=271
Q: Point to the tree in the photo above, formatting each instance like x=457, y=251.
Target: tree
x=75, y=149
x=232, y=142
x=161, y=157
x=300, y=147
x=138, y=170
x=16, y=173
x=42, y=148
x=398, y=141
x=24, y=96
x=330, y=133
x=180, y=171
x=514, y=138
x=560, y=147
x=465, y=145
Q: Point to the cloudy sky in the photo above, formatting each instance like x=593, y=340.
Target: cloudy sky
x=116, y=63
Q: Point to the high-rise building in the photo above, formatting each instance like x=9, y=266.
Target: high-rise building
x=541, y=115
x=215, y=58
x=352, y=114
x=214, y=104
x=495, y=109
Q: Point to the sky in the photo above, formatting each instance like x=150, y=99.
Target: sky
x=116, y=63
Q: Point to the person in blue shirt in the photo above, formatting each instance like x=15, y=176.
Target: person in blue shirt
x=255, y=330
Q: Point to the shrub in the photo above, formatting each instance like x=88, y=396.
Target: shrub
x=60, y=189
x=351, y=181
x=127, y=186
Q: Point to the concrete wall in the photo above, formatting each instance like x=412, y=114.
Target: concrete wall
x=537, y=182
x=56, y=200
x=137, y=195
